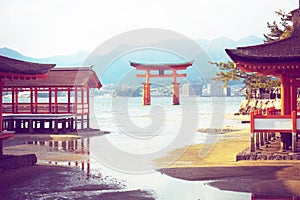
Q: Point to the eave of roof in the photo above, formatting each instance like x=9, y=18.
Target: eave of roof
x=62, y=77
x=14, y=66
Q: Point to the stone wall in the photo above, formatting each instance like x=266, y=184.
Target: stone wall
x=255, y=104
x=14, y=162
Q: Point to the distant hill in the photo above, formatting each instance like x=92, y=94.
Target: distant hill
x=76, y=59
x=216, y=48
x=112, y=66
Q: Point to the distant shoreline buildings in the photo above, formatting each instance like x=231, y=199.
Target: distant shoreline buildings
x=186, y=90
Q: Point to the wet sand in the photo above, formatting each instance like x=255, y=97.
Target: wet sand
x=56, y=182
x=220, y=169
x=44, y=181
x=214, y=163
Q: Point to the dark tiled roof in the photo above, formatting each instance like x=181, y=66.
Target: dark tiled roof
x=286, y=50
x=61, y=77
x=10, y=65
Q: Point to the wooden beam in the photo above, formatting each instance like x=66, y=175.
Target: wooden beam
x=1, y=89
x=160, y=76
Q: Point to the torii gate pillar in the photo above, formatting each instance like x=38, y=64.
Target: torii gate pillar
x=175, y=93
x=146, y=94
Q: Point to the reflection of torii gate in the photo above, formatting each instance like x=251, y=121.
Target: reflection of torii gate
x=161, y=68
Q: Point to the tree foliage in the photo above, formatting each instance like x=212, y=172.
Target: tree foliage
x=281, y=30
x=252, y=81
x=228, y=72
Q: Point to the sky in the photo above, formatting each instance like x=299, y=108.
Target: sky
x=60, y=27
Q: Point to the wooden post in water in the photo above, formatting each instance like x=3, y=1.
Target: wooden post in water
x=252, y=133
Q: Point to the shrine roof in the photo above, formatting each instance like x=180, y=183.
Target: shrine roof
x=14, y=66
x=281, y=51
x=62, y=77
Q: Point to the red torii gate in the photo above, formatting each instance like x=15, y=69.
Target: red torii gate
x=161, y=68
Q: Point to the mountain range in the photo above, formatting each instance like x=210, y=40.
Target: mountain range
x=112, y=66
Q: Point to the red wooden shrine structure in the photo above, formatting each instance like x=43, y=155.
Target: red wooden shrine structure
x=66, y=100
x=160, y=73
x=11, y=70
x=281, y=59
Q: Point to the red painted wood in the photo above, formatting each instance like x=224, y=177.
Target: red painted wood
x=50, y=100
x=35, y=100
x=293, y=96
x=6, y=135
x=55, y=100
x=252, y=122
x=160, y=76
x=69, y=100
x=294, y=121
x=76, y=100
x=272, y=116
x=88, y=99
x=285, y=96
x=17, y=101
x=31, y=101
x=1, y=90
x=175, y=91
x=11, y=76
x=82, y=100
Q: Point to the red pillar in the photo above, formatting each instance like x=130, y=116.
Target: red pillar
x=1, y=90
x=31, y=101
x=55, y=100
x=50, y=100
x=69, y=100
x=175, y=93
x=293, y=100
x=35, y=100
x=146, y=94
x=293, y=90
x=146, y=90
x=12, y=100
x=17, y=100
x=88, y=106
x=76, y=100
x=285, y=96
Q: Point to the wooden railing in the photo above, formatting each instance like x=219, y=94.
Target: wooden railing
x=43, y=108
x=273, y=122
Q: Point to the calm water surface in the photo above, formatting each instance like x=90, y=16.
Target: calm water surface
x=164, y=186
x=151, y=132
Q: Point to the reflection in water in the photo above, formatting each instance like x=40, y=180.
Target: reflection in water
x=164, y=187
x=78, y=146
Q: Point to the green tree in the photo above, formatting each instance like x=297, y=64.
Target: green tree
x=281, y=30
x=228, y=72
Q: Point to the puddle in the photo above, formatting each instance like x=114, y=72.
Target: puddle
x=102, y=180
x=159, y=185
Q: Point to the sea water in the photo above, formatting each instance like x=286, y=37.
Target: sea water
x=119, y=115
x=140, y=134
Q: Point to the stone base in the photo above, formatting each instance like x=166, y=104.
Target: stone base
x=14, y=162
x=247, y=155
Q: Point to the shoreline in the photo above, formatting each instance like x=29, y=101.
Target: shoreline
x=219, y=168
x=212, y=163
x=71, y=181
